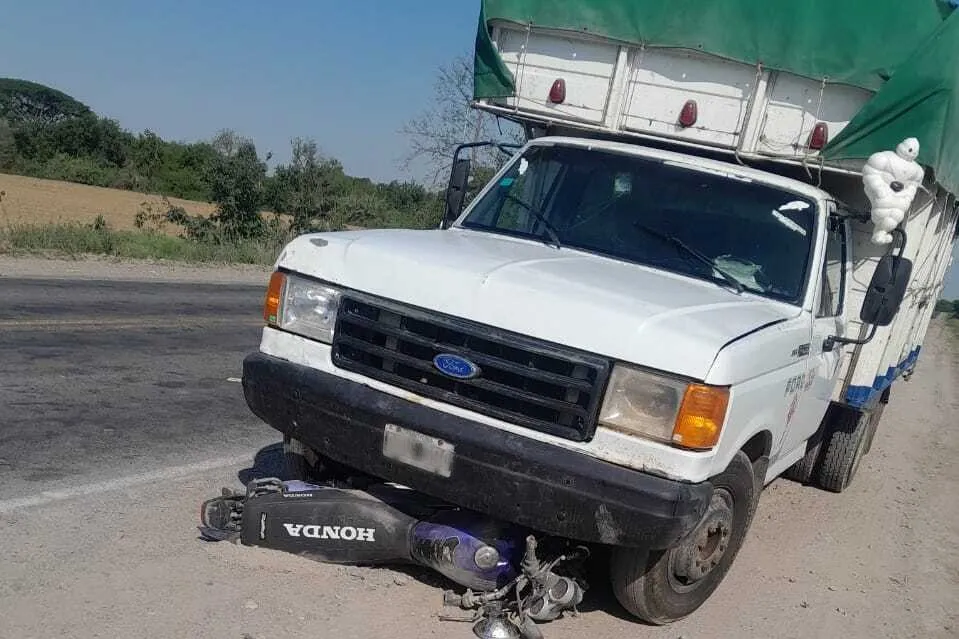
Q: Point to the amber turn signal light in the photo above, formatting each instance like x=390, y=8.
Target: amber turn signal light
x=701, y=416
x=274, y=293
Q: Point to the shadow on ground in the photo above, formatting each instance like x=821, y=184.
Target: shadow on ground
x=268, y=462
x=599, y=597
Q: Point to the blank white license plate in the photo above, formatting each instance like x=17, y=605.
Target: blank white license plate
x=416, y=449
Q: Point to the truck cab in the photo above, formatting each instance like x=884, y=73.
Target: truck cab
x=611, y=343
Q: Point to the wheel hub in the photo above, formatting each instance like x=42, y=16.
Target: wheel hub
x=705, y=547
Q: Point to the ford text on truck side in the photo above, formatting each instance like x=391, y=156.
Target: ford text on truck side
x=669, y=296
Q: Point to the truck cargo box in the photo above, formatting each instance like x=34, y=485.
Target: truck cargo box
x=814, y=84
x=675, y=94
x=869, y=370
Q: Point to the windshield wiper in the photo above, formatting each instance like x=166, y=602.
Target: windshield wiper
x=550, y=229
x=691, y=252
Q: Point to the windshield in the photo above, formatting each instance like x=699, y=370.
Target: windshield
x=656, y=213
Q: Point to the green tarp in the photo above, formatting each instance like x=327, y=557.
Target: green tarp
x=907, y=50
x=921, y=100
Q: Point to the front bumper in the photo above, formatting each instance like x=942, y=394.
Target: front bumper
x=503, y=475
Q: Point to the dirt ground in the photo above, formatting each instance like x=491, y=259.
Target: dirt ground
x=38, y=201
x=121, y=558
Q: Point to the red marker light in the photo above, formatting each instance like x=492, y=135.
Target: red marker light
x=687, y=117
x=557, y=92
x=819, y=136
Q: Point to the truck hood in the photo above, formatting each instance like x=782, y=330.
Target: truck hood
x=597, y=304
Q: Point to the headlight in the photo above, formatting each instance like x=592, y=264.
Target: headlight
x=642, y=404
x=664, y=409
x=302, y=306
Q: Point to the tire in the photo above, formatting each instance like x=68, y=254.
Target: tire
x=873, y=426
x=804, y=470
x=646, y=582
x=844, y=450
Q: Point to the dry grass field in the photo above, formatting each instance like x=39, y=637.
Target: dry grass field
x=28, y=200
x=54, y=218
x=51, y=217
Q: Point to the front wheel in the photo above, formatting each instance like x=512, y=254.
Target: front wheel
x=663, y=586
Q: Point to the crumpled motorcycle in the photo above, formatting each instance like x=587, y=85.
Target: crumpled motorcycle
x=509, y=588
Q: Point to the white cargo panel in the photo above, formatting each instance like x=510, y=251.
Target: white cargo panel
x=791, y=107
x=895, y=349
x=662, y=81
x=640, y=92
x=587, y=68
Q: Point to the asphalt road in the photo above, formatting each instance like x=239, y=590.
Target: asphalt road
x=108, y=378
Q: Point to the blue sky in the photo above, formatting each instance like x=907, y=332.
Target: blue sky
x=348, y=74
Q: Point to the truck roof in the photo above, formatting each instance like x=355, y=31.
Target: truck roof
x=692, y=161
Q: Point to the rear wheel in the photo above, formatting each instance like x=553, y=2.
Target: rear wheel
x=804, y=470
x=663, y=586
x=873, y=426
x=844, y=450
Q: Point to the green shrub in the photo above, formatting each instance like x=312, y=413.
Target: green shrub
x=96, y=238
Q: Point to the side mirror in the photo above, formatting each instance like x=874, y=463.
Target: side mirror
x=456, y=191
x=886, y=290
x=883, y=298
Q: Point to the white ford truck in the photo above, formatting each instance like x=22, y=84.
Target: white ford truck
x=657, y=306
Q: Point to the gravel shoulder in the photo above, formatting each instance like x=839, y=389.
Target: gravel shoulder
x=106, y=268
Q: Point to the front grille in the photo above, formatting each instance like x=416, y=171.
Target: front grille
x=523, y=381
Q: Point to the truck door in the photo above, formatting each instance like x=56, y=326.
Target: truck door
x=808, y=397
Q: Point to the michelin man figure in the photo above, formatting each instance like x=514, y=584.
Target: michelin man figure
x=891, y=180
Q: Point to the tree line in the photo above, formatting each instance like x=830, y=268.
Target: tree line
x=948, y=307
x=48, y=134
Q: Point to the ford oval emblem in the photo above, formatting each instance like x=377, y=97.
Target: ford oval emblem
x=455, y=366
